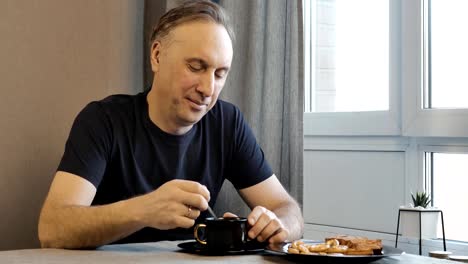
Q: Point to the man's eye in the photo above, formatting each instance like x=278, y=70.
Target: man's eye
x=194, y=68
x=220, y=74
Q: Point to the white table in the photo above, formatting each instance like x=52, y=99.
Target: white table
x=161, y=252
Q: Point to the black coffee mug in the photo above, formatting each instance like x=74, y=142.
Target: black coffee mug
x=223, y=233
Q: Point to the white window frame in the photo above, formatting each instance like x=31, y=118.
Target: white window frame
x=417, y=147
x=416, y=121
x=452, y=146
x=381, y=123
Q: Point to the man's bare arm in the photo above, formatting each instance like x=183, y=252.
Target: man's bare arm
x=270, y=202
x=68, y=221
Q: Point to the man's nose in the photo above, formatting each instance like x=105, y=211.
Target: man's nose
x=207, y=85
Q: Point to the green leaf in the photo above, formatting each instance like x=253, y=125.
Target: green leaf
x=421, y=199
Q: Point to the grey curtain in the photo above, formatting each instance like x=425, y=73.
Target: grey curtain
x=154, y=9
x=266, y=82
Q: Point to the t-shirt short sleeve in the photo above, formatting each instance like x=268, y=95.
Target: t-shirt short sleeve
x=89, y=145
x=248, y=166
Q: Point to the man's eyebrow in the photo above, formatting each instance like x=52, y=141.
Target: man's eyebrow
x=204, y=64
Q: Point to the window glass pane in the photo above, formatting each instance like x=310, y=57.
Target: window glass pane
x=450, y=183
x=447, y=46
x=349, y=55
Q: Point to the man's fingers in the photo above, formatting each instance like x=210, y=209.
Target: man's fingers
x=192, y=213
x=184, y=222
x=193, y=194
x=194, y=187
x=194, y=200
x=259, y=219
x=279, y=237
x=255, y=214
x=229, y=214
x=270, y=229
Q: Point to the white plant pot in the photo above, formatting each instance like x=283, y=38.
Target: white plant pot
x=409, y=223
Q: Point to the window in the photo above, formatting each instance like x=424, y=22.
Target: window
x=447, y=177
x=349, y=56
x=352, y=71
x=434, y=110
x=434, y=55
x=421, y=108
x=446, y=55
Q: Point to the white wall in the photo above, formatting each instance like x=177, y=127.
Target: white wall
x=354, y=188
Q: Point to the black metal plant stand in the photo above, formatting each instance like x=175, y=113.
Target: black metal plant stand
x=420, y=228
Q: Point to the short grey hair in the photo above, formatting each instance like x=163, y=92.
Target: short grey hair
x=191, y=11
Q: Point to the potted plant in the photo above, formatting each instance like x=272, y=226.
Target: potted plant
x=410, y=217
x=421, y=200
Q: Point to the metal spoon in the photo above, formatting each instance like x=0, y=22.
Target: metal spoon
x=212, y=212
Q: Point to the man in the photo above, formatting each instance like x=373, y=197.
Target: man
x=146, y=167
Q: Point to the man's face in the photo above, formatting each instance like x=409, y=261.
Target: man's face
x=191, y=66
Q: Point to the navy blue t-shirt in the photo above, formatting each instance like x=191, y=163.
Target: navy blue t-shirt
x=114, y=145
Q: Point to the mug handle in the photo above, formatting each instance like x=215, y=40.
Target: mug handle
x=195, y=233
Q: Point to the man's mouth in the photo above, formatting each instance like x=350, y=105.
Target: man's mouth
x=197, y=104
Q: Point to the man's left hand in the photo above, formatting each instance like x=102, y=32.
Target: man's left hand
x=266, y=226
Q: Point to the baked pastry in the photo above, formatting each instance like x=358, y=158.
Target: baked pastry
x=358, y=245
x=347, y=245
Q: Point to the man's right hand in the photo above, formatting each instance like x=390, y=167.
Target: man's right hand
x=68, y=220
x=176, y=203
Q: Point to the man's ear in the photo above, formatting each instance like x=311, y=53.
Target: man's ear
x=154, y=56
